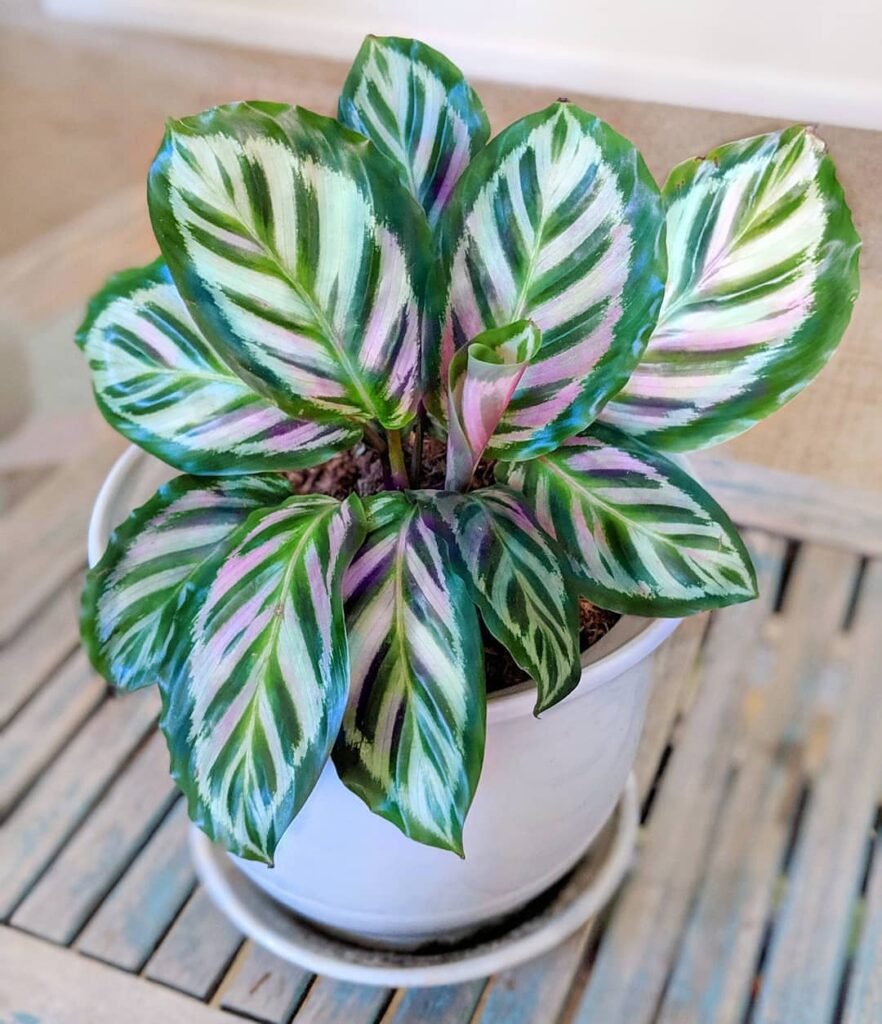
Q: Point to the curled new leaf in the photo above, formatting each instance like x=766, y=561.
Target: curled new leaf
x=763, y=273
x=133, y=594
x=412, y=740
x=299, y=254
x=483, y=377
x=559, y=221
x=259, y=671
x=419, y=111
x=515, y=576
x=641, y=535
x=159, y=384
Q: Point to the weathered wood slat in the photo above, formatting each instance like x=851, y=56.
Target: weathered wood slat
x=801, y=980
x=864, y=1003
x=445, y=1004
x=637, y=949
x=195, y=954
x=263, y=987
x=131, y=921
x=793, y=505
x=43, y=984
x=535, y=992
x=38, y=827
x=38, y=649
x=43, y=539
x=713, y=975
x=332, y=1002
x=61, y=902
x=32, y=739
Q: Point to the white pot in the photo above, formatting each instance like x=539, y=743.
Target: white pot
x=548, y=786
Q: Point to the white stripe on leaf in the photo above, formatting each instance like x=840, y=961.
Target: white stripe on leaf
x=159, y=384
x=412, y=740
x=762, y=275
x=260, y=671
x=641, y=535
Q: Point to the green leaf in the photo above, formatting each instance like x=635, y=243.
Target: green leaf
x=133, y=594
x=260, y=670
x=483, y=377
x=299, y=254
x=412, y=740
x=419, y=111
x=516, y=577
x=641, y=535
x=557, y=220
x=763, y=273
x=159, y=384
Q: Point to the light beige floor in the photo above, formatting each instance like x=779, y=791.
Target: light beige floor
x=82, y=111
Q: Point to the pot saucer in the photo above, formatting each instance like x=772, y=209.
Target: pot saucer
x=546, y=922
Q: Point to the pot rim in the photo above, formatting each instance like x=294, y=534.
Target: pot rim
x=600, y=664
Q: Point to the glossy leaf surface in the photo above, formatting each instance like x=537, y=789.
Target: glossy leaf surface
x=300, y=255
x=133, y=594
x=412, y=740
x=260, y=671
x=642, y=535
x=557, y=220
x=159, y=384
x=515, y=576
x=419, y=111
x=763, y=273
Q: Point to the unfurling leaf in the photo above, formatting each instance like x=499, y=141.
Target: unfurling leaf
x=763, y=273
x=641, y=535
x=133, y=594
x=559, y=221
x=299, y=254
x=483, y=377
x=412, y=740
x=420, y=113
x=159, y=384
x=260, y=670
x=514, y=574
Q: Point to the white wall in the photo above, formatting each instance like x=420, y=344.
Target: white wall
x=813, y=60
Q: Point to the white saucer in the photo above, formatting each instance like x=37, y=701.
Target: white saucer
x=545, y=923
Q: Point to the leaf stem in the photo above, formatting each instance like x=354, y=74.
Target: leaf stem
x=374, y=438
x=416, y=453
x=396, y=461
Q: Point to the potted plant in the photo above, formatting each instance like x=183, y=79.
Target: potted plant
x=427, y=391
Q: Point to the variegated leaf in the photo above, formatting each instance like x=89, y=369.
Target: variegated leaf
x=419, y=111
x=763, y=272
x=300, y=255
x=412, y=741
x=159, y=384
x=557, y=220
x=641, y=535
x=133, y=594
x=260, y=671
x=483, y=377
x=514, y=574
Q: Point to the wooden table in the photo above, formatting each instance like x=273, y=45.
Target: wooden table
x=757, y=895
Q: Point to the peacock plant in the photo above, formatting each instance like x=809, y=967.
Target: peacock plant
x=533, y=301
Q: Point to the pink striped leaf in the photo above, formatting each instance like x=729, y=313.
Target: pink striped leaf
x=300, y=255
x=255, y=687
x=557, y=220
x=641, y=536
x=516, y=576
x=420, y=113
x=158, y=382
x=763, y=273
x=412, y=740
x=482, y=379
x=133, y=594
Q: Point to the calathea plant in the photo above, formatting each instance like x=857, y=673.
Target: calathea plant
x=536, y=302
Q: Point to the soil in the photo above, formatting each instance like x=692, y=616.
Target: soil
x=361, y=470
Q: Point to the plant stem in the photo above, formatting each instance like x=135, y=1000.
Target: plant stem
x=416, y=454
x=374, y=438
x=396, y=461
